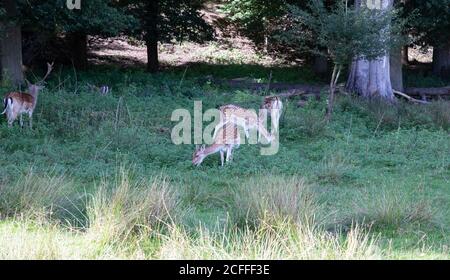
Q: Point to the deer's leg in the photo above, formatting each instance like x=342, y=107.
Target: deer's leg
x=30, y=116
x=263, y=131
x=21, y=121
x=229, y=153
x=221, y=157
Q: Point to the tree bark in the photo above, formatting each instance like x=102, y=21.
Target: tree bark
x=79, y=49
x=11, y=46
x=396, y=70
x=372, y=78
x=152, y=36
x=441, y=61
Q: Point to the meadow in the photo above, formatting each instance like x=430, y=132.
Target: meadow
x=98, y=177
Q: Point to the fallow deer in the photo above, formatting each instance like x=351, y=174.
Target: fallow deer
x=274, y=105
x=18, y=103
x=246, y=118
x=227, y=138
x=102, y=90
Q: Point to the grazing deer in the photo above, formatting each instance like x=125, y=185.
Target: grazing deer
x=18, y=103
x=245, y=118
x=274, y=105
x=102, y=90
x=227, y=138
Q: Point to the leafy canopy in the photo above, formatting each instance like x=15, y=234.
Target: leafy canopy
x=342, y=31
x=96, y=17
x=432, y=24
x=177, y=20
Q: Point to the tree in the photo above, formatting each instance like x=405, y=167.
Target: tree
x=431, y=28
x=259, y=20
x=346, y=33
x=11, y=43
x=372, y=77
x=52, y=20
x=167, y=21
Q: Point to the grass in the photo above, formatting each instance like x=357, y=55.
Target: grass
x=99, y=178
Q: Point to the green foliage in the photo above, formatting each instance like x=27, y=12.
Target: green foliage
x=177, y=20
x=343, y=31
x=255, y=18
x=432, y=23
x=96, y=17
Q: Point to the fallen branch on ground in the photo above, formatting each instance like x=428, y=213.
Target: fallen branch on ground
x=410, y=98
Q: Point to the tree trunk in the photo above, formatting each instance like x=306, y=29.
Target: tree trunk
x=79, y=49
x=11, y=46
x=441, y=61
x=396, y=70
x=320, y=65
x=372, y=78
x=405, y=55
x=152, y=36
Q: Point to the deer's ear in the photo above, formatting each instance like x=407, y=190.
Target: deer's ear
x=27, y=82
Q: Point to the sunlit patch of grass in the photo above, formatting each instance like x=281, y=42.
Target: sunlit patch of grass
x=270, y=240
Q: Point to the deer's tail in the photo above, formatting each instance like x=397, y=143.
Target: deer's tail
x=8, y=103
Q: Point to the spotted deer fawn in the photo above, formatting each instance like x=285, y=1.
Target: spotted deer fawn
x=273, y=105
x=18, y=103
x=246, y=118
x=226, y=139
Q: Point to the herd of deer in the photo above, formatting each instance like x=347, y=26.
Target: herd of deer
x=226, y=134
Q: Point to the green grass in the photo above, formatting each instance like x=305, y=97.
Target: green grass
x=98, y=177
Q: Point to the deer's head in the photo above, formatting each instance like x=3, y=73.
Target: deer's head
x=40, y=85
x=199, y=155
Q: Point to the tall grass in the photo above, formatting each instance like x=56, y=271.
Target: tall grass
x=273, y=198
x=126, y=209
x=387, y=208
x=282, y=240
x=34, y=193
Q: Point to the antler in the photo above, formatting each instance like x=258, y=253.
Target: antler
x=49, y=70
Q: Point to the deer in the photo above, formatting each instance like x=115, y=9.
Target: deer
x=274, y=105
x=102, y=90
x=227, y=139
x=246, y=118
x=18, y=103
